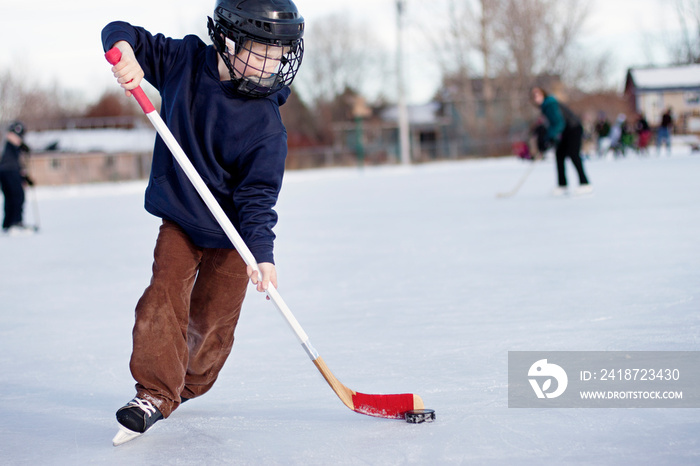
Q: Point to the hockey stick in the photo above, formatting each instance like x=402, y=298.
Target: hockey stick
x=521, y=182
x=386, y=406
x=35, y=207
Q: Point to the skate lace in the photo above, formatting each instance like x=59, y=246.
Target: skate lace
x=145, y=405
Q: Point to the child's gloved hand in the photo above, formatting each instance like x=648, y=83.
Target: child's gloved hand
x=269, y=275
x=128, y=71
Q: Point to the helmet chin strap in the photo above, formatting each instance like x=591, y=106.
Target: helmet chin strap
x=217, y=37
x=257, y=85
x=269, y=82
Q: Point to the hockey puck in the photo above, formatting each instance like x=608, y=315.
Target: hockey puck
x=417, y=416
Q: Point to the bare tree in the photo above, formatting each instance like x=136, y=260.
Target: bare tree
x=491, y=51
x=539, y=36
x=34, y=105
x=486, y=43
x=11, y=97
x=341, y=53
x=686, y=49
x=464, y=47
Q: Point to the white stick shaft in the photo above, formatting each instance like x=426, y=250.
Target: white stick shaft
x=227, y=226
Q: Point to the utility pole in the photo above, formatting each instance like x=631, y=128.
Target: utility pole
x=404, y=130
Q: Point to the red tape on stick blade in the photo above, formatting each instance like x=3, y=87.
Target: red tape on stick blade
x=387, y=406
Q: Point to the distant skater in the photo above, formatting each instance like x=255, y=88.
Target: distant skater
x=641, y=127
x=565, y=132
x=663, y=134
x=13, y=178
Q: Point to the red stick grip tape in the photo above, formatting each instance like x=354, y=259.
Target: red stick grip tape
x=113, y=56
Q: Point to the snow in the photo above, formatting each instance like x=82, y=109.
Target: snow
x=667, y=78
x=110, y=140
x=407, y=279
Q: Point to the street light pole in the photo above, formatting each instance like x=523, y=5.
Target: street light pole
x=404, y=130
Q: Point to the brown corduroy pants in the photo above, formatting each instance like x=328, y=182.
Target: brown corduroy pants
x=185, y=319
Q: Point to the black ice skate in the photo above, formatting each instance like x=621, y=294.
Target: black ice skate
x=135, y=418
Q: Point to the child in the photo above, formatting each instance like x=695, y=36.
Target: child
x=12, y=178
x=221, y=102
x=641, y=127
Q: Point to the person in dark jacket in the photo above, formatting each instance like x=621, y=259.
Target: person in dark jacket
x=602, y=131
x=221, y=103
x=565, y=132
x=13, y=178
x=641, y=127
x=663, y=133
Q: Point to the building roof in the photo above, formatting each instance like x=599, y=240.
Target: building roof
x=673, y=77
x=424, y=114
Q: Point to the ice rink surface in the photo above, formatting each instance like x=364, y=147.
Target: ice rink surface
x=407, y=279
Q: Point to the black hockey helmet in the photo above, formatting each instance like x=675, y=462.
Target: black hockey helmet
x=16, y=127
x=271, y=30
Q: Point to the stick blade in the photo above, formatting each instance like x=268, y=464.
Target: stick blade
x=386, y=406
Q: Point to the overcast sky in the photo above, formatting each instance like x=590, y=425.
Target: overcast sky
x=46, y=41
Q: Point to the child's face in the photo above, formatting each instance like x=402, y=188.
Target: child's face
x=255, y=60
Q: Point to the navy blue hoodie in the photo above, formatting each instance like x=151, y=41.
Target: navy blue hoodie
x=237, y=144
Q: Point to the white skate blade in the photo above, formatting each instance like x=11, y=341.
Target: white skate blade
x=123, y=436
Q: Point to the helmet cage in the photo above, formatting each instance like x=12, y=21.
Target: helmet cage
x=284, y=31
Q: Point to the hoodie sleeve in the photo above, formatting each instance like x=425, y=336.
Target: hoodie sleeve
x=257, y=193
x=551, y=111
x=155, y=53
